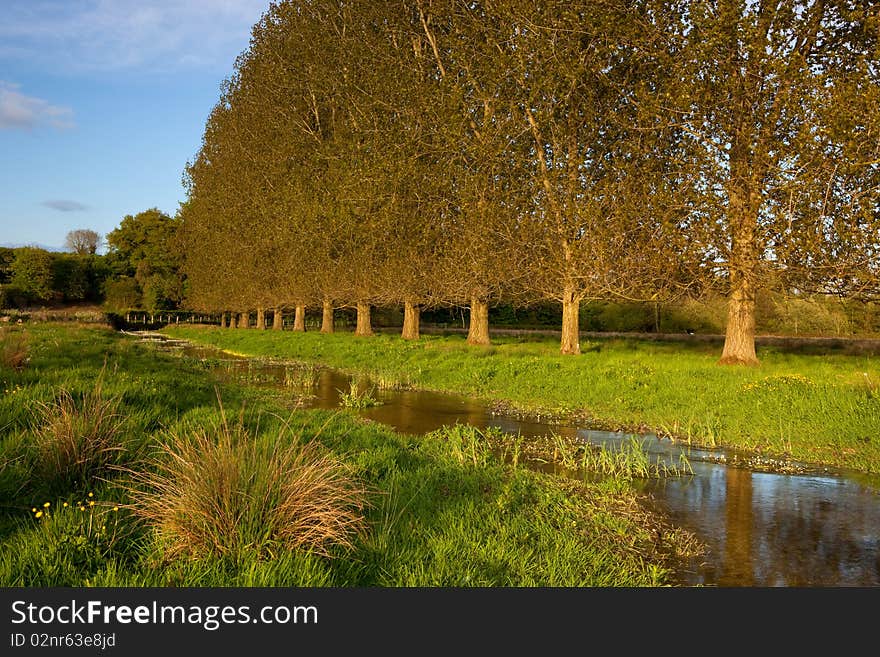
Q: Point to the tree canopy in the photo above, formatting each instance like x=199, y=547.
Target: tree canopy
x=452, y=153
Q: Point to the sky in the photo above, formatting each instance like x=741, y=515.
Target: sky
x=103, y=103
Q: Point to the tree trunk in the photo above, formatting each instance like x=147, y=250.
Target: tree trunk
x=326, y=317
x=299, y=318
x=478, y=327
x=231, y=320
x=411, y=314
x=570, y=323
x=742, y=206
x=244, y=320
x=261, y=319
x=222, y=320
x=363, y=328
x=739, y=336
x=277, y=320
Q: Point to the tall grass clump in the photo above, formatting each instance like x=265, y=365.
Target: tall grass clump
x=219, y=491
x=304, y=377
x=77, y=438
x=13, y=349
x=630, y=459
x=359, y=395
x=466, y=444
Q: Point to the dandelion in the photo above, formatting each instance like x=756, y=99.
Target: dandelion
x=91, y=502
x=116, y=508
x=39, y=514
x=82, y=508
x=91, y=494
x=34, y=510
x=65, y=505
x=46, y=505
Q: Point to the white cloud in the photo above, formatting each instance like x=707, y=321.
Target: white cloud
x=19, y=111
x=148, y=35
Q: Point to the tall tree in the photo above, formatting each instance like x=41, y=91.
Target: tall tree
x=778, y=103
x=599, y=209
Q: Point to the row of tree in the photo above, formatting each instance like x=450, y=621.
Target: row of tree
x=452, y=152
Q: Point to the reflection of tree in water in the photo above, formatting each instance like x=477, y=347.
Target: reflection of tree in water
x=737, y=558
x=805, y=539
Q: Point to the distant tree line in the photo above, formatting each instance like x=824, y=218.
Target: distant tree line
x=140, y=270
x=450, y=153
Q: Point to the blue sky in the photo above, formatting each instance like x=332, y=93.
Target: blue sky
x=102, y=103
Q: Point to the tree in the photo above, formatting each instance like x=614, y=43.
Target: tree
x=597, y=206
x=473, y=125
x=145, y=246
x=32, y=273
x=777, y=102
x=83, y=241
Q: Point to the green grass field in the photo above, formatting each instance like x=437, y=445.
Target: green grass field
x=118, y=467
x=822, y=409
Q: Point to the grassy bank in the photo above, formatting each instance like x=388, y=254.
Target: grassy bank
x=119, y=467
x=820, y=408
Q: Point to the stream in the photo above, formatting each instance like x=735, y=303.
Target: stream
x=811, y=527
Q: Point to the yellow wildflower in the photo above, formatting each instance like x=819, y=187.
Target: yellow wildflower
x=91, y=502
x=91, y=494
x=39, y=514
x=46, y=505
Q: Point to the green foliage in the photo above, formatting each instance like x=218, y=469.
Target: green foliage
x=147, y=237
x=359, y=395
x=122, y=293
x=145, y=247
x=12, y=296
x=32, y=273
x=7, y=257
x=161, y=291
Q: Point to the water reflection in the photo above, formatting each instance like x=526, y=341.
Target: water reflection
x=776, y=529
x=762, y=529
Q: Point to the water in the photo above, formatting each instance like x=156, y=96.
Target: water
x=762, y=529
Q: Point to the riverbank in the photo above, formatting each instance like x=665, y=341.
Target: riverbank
x=96, y=425
x=821, y=408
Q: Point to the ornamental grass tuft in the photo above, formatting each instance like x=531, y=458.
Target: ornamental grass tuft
x=216, y=490
x=77, y=438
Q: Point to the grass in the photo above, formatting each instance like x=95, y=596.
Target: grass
x=203, y=502
x=216, y=490
x=359, y=395
x=301, y=378
x=13, y=348
x=77, y=438
x=820, y=408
